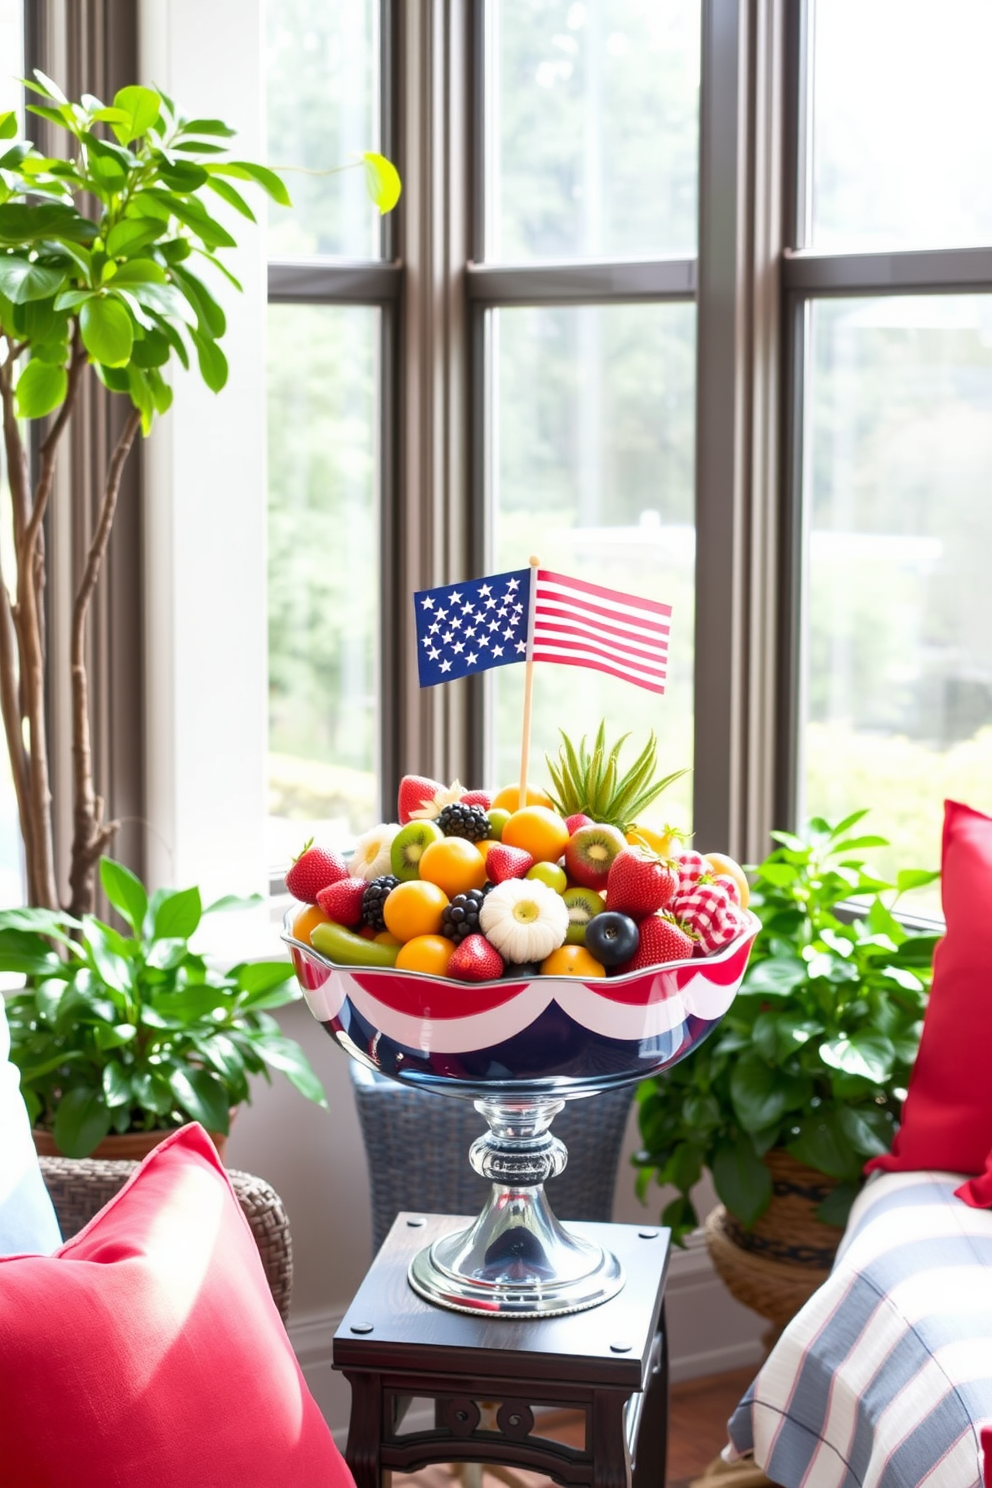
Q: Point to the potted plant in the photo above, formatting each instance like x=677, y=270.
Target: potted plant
x=804, y=1078
x=136, y=1033
x=100, y=275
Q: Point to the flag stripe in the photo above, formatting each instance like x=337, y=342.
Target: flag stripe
x=646, y=646
x=550, y=650
x=581, y=624
x=582, y=587
x=598, y=666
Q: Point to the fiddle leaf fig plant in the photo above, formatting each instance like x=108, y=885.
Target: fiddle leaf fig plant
x=814, y=1054
x=136, y=1032
x=111, y=259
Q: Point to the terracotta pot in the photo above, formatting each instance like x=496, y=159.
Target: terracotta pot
x=131, y=1146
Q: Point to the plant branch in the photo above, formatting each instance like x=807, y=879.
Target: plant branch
x=91, y=835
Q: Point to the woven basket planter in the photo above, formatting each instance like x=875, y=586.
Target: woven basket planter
x=775, y=1267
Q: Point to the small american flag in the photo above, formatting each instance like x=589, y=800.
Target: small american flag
x=503, y=618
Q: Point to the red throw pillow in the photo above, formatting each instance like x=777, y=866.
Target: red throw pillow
x=947, y=1117
x=148, y=1350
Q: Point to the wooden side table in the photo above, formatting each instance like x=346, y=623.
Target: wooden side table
x=489, y=1381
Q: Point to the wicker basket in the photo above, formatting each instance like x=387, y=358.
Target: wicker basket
x=129, y=1146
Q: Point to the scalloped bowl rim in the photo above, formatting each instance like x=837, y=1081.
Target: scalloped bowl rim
x=628, y=978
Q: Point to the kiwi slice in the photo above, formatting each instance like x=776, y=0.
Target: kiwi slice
x=582, y=905
x=408, y=847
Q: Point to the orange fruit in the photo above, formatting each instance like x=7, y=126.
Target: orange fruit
x=484, y=846
x=538, y=830
x=415, y=907
x=383, y=937
x=306, y=921
x=508, y=799
x=572, y=960
x=720, y=863
x=430, y=953
x=453, y=864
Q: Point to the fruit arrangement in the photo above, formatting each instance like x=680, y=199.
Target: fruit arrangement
x=475, y=887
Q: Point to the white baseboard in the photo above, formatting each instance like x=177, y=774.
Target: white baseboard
x=709, y=1333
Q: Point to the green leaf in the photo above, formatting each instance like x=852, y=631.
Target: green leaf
x=125, y=892
x=42, y=921
x=26, y=953
x=152, y=1091
x=681, y=1218
x=776, y=977
x=229, y=902
x=282, y=1054
x=143, y=105
x=202, y=1096
x=823, y=1144
x=836, y=1207
x=176, y=915
x=107, y=330
x=22, y=280
x=116, y=1084
x=41, y=387
x=115, y=1036
x=262, y=976
x=82, y=1120
x=227, y=193
x=192, y=1004
x=138, y=271
x=382, y=181
x=869, y=1129
x=45, y=86
x=762, y=1094
x=858, y=842
x=129, y=235
x=8, y=124
x=189, y=211
x=210, y=318
x=209, y=127
x=867, y=1054
x=247, y=170
x=212, y=361
x=914, y=878
x=742, y=1181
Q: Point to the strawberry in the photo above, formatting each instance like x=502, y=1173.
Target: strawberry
x=507, y=862
x=416, y=791
x=475, y=959
x=342, y=901
x=576, y=820
x=711, y=914
x=312, y=871
x=478, y=798
x=662, y=939
x=639, y=883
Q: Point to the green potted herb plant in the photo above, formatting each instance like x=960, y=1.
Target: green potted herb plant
x=804, y=1078
x=135, y=1034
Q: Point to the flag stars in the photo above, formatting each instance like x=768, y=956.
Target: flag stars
x=455, y=623
x=427, y=603
x=490, y=603
x=497, y=650
x=433, y=654
x=434, y=628
x=485, y=589
x=470, y=632
x=447, y=638
x=494, y=625
x=441, y=614
x=458, y=647
x=455, y=597
x=513, y=584
x=508, y=633
x=483, y=639
x=471, y=658
x=522, y=648
x=468, y=609
x=446, y=666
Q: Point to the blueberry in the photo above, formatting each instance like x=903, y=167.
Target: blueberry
x=612, y=937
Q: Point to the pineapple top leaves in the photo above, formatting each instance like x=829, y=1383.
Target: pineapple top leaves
x=591, y=782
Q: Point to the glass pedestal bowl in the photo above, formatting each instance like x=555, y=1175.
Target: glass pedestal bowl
x=519, y=1049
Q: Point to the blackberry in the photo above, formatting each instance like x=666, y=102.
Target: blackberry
x=470, y=822
x=375, y=897
x=461, y=916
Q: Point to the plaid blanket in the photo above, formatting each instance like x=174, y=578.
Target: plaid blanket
x=884, y=1379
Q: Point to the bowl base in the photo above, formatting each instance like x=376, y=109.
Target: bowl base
x=582, y=1277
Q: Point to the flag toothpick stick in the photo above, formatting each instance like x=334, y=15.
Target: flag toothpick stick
x=535, y=564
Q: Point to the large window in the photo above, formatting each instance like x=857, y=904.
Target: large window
x=894, y=439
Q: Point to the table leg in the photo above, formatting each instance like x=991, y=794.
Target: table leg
x=651, y=1455
x=365, y=1430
